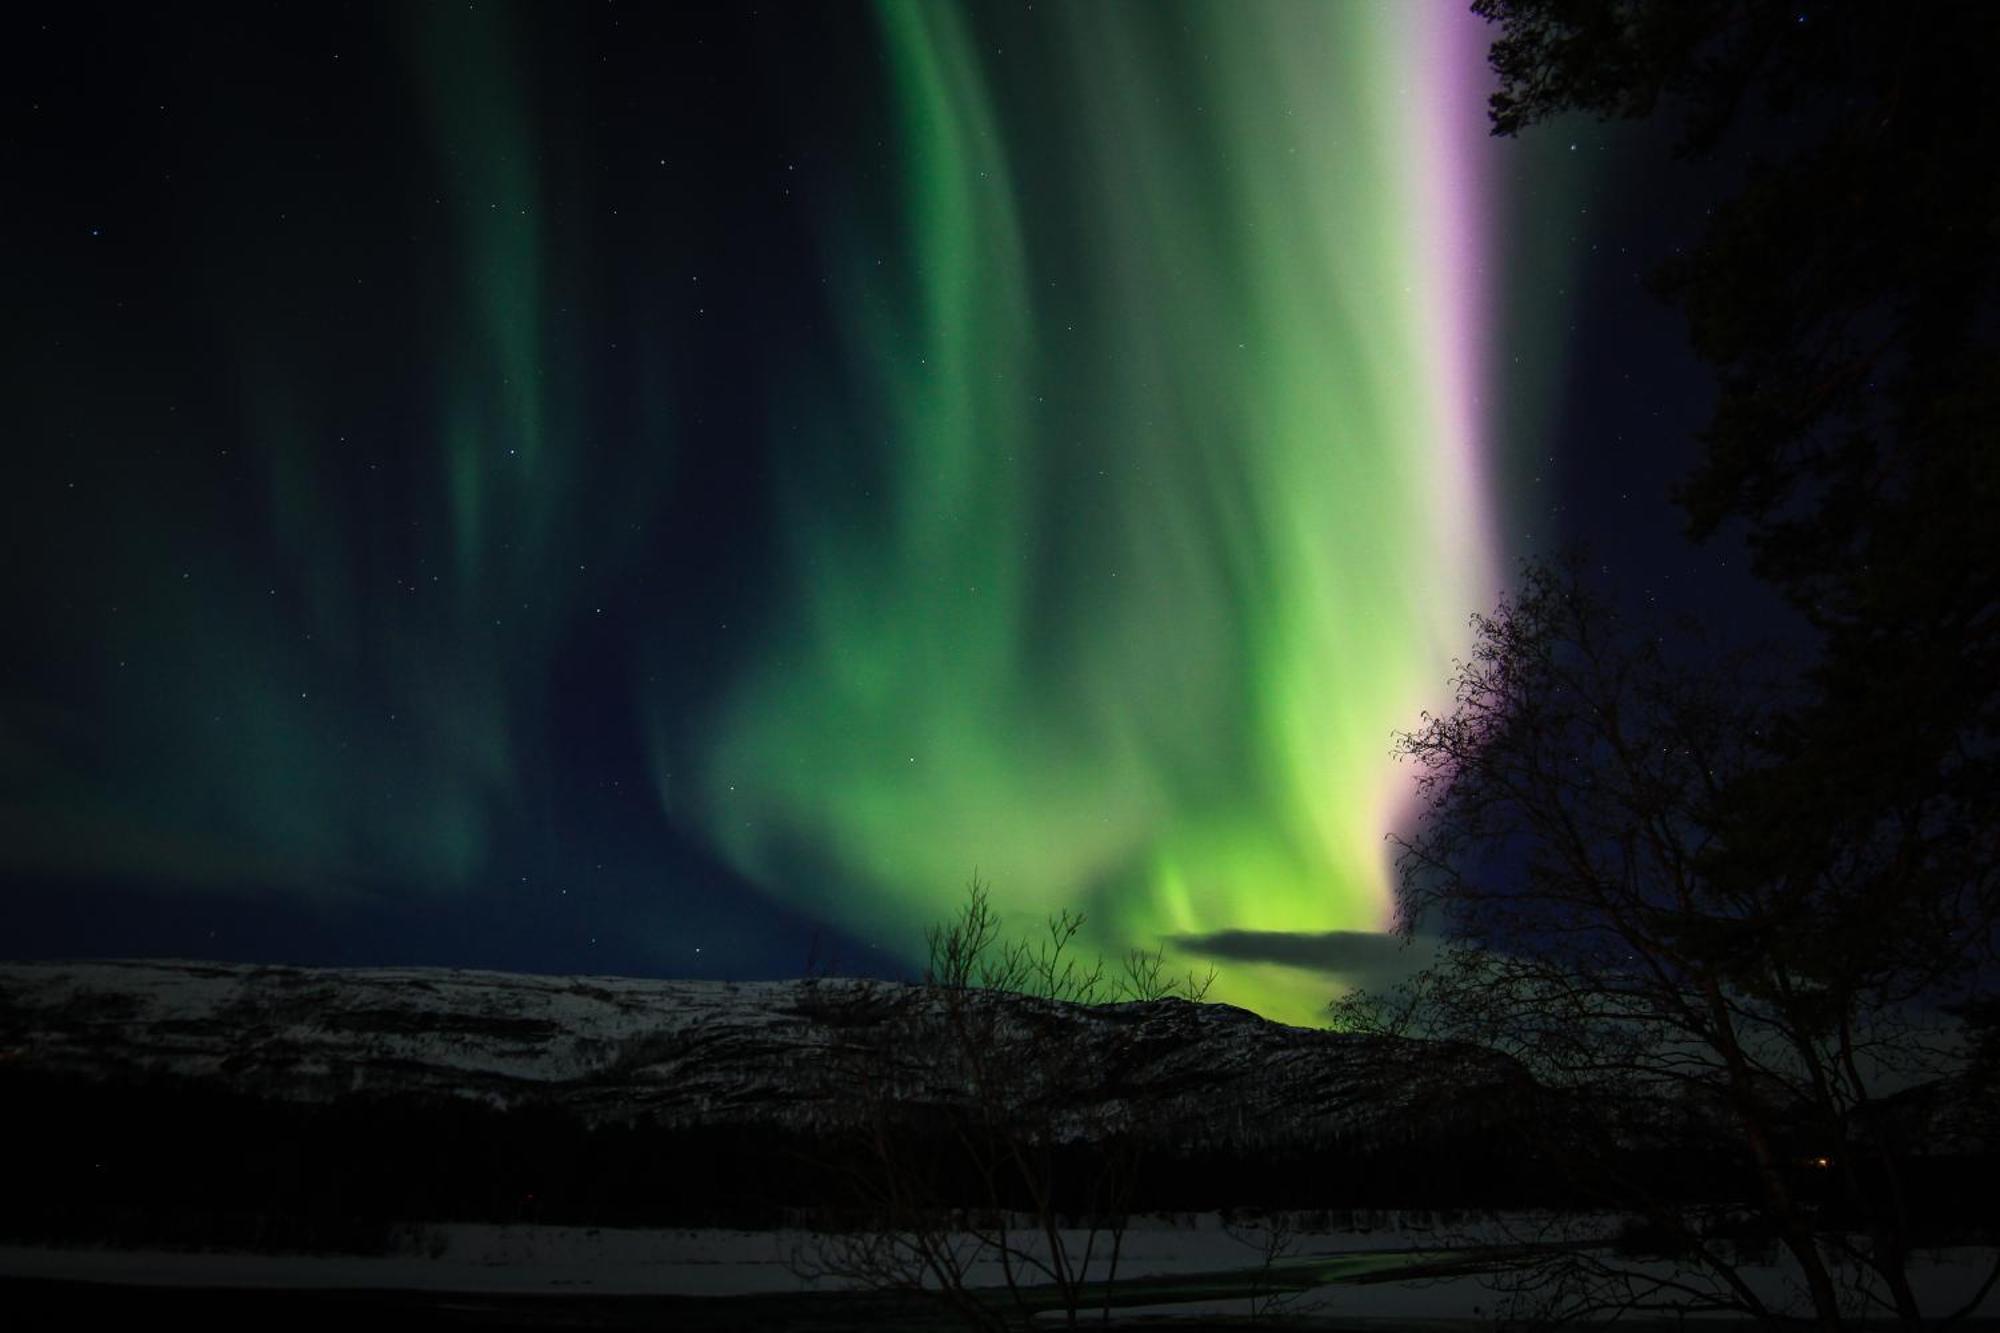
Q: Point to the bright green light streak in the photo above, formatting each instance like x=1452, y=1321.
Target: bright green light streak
x=1172, y=388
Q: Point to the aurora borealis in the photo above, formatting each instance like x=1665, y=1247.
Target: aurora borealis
x=1184, y=499
x=572, y=491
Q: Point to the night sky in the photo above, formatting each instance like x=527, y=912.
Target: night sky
x=638, y=489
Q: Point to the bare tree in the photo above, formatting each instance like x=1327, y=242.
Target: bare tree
x=1145, y=977
x=1274, y=1237
x=1727, y=1056
x=969, y=1153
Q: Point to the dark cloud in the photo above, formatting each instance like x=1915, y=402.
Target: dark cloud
x=1364, y=956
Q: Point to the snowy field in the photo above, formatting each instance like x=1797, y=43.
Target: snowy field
x=528, y=1260
x=606, y=1260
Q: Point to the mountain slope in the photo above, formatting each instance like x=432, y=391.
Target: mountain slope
x=788, y=1054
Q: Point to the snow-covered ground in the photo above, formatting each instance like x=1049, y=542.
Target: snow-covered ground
x=1942, y=1280
x=607, y=1261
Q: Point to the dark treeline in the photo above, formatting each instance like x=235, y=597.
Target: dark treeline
x=177, y=1163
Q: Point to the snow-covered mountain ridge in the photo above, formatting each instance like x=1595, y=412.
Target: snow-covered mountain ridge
x=798, y=1055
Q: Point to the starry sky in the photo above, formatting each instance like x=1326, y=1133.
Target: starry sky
x=676, y=490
